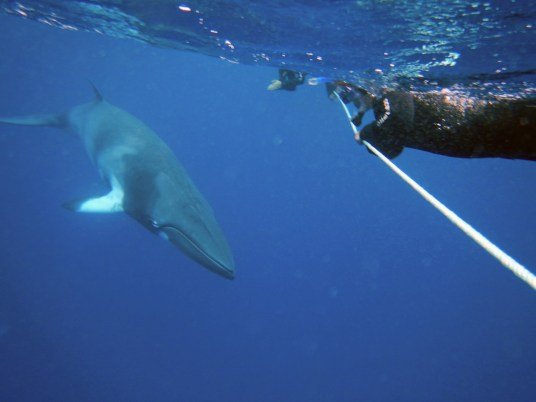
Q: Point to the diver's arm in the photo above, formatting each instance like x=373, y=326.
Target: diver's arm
x=454, y=125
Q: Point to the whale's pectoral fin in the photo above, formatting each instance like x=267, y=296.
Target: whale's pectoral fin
x=109, y=203
x=50, y=120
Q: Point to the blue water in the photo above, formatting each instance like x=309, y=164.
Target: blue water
x=349, y=287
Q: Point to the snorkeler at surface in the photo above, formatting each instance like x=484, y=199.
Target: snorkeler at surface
x=448, y=123
x=288, y=80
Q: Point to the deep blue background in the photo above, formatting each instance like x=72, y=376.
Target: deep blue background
x=349, y=287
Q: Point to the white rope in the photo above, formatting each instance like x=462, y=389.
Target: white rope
x=523, y=273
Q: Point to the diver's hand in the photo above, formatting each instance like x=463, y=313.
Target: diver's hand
x=274, y=85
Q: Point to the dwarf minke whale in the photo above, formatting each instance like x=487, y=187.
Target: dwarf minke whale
x=146, y=180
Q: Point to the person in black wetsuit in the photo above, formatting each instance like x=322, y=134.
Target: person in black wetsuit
x=288, y=80
x=444, y=122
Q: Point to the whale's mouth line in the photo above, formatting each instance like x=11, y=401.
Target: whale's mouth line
x=197, y=247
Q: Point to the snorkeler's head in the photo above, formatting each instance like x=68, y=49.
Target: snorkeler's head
x=288, y=80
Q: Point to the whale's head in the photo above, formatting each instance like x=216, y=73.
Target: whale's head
x=178, y=213
x=200, y=238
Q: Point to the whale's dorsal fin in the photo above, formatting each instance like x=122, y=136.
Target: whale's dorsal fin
x=98, y=95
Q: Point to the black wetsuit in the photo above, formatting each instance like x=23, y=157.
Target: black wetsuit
x=453, y=125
